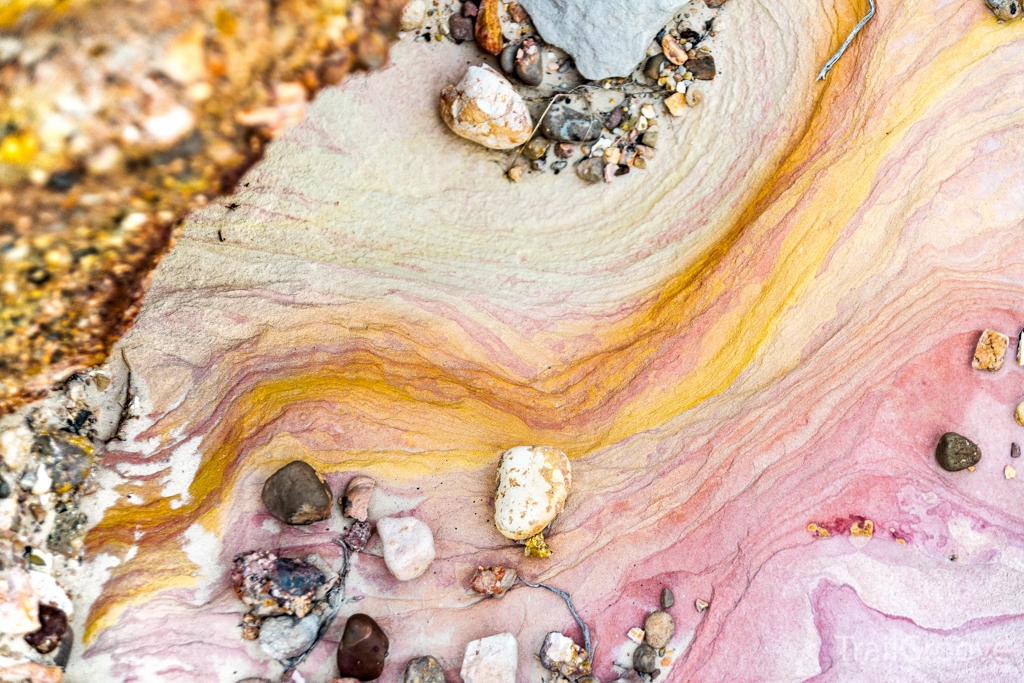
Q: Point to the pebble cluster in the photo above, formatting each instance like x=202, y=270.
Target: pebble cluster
x=546, y=111
x=48, y=450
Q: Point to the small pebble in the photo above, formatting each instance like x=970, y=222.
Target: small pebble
x=357, y=497
x=286, y=637
x=488, y=27
x=507, y=59
x=297, y=494
x=515, y=173
x=494, y=659
x=362, y=649
x=955, y=452
x=654, y=65
x=485, y=108
x=1014, y=450
x=700, y=605
x=423, y=670
x=990, y=351
x=558, y=166
x=408, y=546
x=470, y=9
x=609, y=172
x=645, y=658
x=676, y=104
x=529, y=66
x=493, y=581
x=564, y=150
x=640, y=163
x=667, y=598
x=694, y=96
x=659, y=629
x=357, y=536
x=591, y=170
x=53, y=626
x=535, y=148
x=532, y=483
x=517, y=12
x=564, y=124
x=636, y=635
x=701, y=65
x=560, y=653
x=612, y=155
x=674, y=52
x=1009, y=472
x=537, y=547
x=273, y=585
x=1005, y=10
x=1018, y=414
x=413, y=15
x=650, y=137
x=614, y=118
x=1020, y=348
x=460, y=28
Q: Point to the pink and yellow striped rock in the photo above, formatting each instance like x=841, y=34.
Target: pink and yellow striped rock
x=748, y=351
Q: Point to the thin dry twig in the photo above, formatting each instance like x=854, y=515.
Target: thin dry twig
x=849, y=39
x=572, y=610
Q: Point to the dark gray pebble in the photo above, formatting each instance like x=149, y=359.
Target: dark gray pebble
x=297, y=494
x=652, y=69
x=645, y=658
x=955, y=452
x=1014, y=450
x=667, y=599
x=530, y=63
x=565, y=124
x=507, y=59
x=591, y=170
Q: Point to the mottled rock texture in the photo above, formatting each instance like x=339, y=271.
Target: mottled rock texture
x=769, y=328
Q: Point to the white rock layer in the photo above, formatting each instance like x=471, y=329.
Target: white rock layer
x=532, y=484
x=408, y=546
x=494, y=659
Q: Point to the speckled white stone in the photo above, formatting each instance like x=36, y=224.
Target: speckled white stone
x=485, y=108
x=494, y=659
x=532, y=484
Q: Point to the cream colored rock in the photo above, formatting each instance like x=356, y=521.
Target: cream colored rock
x=408, y=546
x=532, y=484
x=494, y=659
x=19, y=604
x=485, y=108
x=990, y=351
x=413, y=15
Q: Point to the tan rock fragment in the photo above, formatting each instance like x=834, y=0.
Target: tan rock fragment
x=488, y=27
x=676, y=104
x=990, y=351
x=357, y=497
x=674, y=52
x=485, y=108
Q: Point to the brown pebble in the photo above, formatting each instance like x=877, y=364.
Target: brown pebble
x=54, y=624
x=673, y=51
x=1014, y=450
x=488, y=27
x=461, y=28
x=362, y=648
x=701, y=65
x=517, y=12
x=564, y=150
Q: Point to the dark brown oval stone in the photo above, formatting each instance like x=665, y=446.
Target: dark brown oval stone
x=362, y=649
x=297, y=494
x=54, y=624
x=955, y=452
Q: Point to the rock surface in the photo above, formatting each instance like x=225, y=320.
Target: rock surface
x=593, y=32
x=408, y=546
x=494, y=659
x=485, y=108
x=532, y=483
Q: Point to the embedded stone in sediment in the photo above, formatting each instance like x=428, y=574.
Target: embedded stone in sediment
x=423, y=670
x=494, y=659
x=297, y=494
x=356, y=500
x=659, y=629
x=561, y=654
x=273, y=585
x=408, y=546
x=484, y=107
x=532, y=483
x=990, y=351
x=493, y=581
x=955, y=452
x=286, y=637
x=362, y=649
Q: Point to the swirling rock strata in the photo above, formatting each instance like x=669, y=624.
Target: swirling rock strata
x=749, y=353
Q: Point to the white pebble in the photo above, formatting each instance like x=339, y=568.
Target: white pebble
x=485, y=108
x=168, y=128
x=286, y=637
x=494, y=659
x=413, y=15
x=408, y=546
x=19, y=605
x=43, y=481
x=532, y=485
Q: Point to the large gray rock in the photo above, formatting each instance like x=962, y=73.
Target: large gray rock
x=607, y=38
